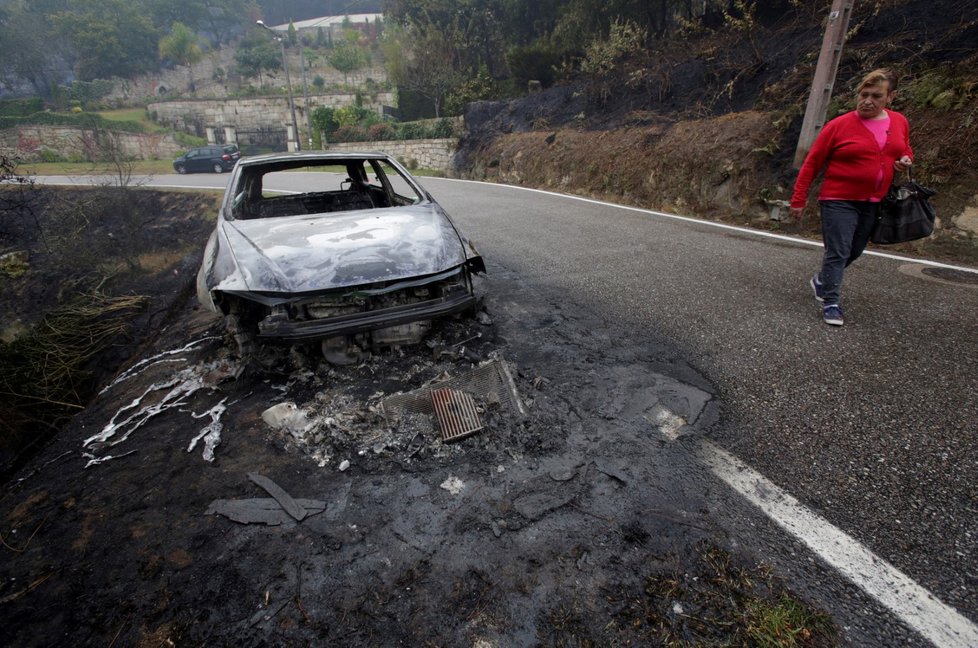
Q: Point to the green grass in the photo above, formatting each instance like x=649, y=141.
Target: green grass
x=137, y=115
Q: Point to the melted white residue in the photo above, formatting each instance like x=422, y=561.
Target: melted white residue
x=159, y=397
x=211, y=434
x=181, y=386
x=157, y=359
x=94, y=461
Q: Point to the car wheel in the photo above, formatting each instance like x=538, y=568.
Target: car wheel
x=241, y=336
x=218, y=168
x=181, y=169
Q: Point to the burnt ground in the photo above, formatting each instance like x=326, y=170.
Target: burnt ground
x=93, y=276
x=574, y=522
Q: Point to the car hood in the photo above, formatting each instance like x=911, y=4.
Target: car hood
x=302, y=254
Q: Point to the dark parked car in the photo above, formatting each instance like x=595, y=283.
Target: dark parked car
x=351, y=252
x=208, y=158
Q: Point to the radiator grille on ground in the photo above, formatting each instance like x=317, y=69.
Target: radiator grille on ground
x=490, y=384
x=456, y=412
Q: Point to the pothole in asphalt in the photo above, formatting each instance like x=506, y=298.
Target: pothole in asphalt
x=941, y=275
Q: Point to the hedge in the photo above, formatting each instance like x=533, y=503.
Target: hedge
x=20, y=107
x=428, y=129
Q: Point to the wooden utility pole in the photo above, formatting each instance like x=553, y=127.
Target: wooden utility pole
x=825, y=71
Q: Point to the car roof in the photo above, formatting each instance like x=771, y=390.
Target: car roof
x=313, y=156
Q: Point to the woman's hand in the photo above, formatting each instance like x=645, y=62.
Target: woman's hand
x=903, y=164
x=796, y=213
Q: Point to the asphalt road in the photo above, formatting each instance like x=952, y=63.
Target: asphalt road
x=871, y=425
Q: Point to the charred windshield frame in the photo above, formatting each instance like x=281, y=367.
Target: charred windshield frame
x=348, y=187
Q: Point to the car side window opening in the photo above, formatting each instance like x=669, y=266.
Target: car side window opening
x=397, y=186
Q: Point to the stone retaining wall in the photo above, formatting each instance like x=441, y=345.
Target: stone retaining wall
x=83, y=144
x=259, y=114
x=434, y=154
x=214, y=78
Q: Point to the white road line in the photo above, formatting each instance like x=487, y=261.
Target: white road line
x=708, y=223
x=939, y=623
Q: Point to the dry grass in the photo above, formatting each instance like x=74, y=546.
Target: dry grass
x=713, y=602
x=139, y=167
x=44, y=378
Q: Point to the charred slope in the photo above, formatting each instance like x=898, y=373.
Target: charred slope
x=718, y=81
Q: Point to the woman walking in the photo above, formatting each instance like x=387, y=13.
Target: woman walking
x=859, y=152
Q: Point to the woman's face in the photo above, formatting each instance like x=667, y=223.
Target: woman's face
x=871, y=100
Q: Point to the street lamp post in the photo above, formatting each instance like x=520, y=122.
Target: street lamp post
x=288, y=83
x=305, y=92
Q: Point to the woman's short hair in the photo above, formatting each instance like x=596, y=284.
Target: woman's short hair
x=876, y=78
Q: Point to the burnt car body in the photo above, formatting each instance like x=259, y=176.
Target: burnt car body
x=329, y=246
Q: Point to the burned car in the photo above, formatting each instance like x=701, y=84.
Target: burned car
x=346, y=250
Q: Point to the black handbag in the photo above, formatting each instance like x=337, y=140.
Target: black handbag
x=905, y=214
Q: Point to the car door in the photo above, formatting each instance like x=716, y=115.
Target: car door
x=197, y=160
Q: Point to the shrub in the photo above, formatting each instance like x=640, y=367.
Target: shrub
x=324, y=120
x=187, y=140
x=351, y=133
x=20, y=107
x=379, y=132
x=411, y=130
x=47, y=155
x=537, y=61
x=353, y=115
x=443, y=128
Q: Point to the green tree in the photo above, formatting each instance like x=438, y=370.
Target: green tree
x=165, y=13
x=181, y=47
x=225, y=18
x=293, y=37
x=22, y=31
x=423, y=61
x=108, y=38
x=480, y=86
x=325, y=121
x=347, y=56
x=256, y=54
x=537, y=61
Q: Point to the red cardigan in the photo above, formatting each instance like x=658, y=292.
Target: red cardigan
x=853, y=158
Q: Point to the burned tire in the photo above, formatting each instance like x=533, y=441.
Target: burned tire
x=241, y=330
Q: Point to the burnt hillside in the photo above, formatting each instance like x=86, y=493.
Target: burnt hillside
x=706, y=121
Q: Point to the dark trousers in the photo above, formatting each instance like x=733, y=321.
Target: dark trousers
x=846, y=227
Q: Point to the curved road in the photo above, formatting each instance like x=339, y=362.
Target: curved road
x=871, y=426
